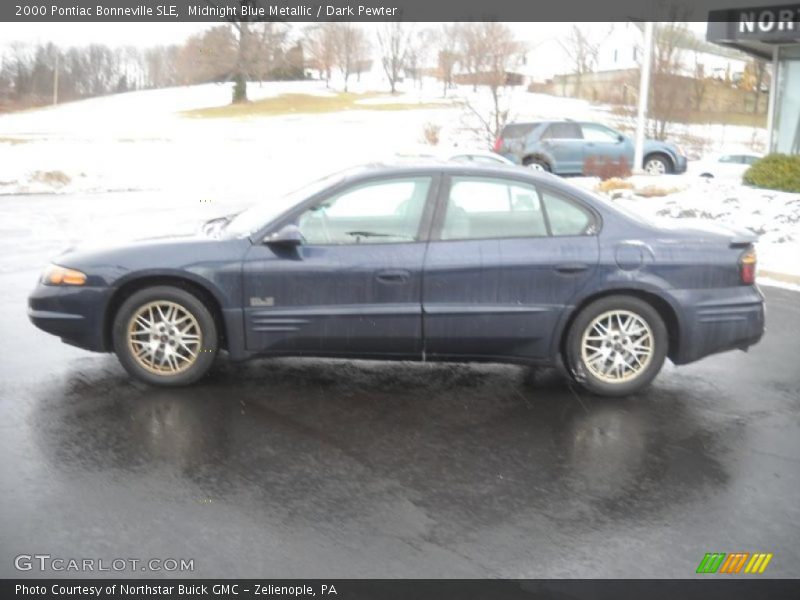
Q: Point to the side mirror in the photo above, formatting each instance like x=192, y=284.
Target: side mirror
x=288, y=235
x=621, y=137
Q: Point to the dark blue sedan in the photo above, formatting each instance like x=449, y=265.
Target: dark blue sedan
x=441, y=262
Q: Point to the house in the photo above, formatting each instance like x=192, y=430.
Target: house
x=621, y=50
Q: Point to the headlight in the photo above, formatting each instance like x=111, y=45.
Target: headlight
x=56, y=275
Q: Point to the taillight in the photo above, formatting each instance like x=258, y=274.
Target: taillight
x=747, y=267
x=498, y=144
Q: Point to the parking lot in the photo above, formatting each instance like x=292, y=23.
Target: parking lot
x=356, y=469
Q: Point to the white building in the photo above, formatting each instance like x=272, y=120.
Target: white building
x=622, y=49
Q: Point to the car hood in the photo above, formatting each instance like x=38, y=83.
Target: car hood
x=155, y=255
x=105, y=244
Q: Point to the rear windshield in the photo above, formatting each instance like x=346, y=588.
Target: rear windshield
x=518, y=130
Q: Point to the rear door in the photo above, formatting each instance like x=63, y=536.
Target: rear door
x=498, y=272
x=563, y=142
x=604, y=145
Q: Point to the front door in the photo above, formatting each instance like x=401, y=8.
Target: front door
x=353, y=286
x=605, y=146
x=508, y=259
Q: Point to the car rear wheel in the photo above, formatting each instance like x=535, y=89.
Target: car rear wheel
x=657, y=164
x=165, y=335
x=537, y=165
x=616, y=345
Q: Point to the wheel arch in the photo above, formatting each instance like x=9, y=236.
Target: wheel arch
x=131, y=286
x=665, y=310
x=531, y=156
x=663, y=154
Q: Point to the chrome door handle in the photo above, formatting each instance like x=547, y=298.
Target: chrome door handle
x=572, y=267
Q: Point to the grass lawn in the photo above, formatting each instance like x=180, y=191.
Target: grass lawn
x=13, y=141
x=287, y=104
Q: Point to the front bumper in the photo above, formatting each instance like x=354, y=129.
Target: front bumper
x=75, y=314
x=718, y=320
x=681, y=164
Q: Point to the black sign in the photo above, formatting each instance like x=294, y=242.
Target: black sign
x=771, y=24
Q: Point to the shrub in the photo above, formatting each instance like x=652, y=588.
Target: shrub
x=775, y=172
x=606, y=168
x=430, y=133
x=615, y=183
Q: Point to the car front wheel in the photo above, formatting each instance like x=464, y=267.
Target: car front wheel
x=165, y=335
x=616, y=345
x=657, y=164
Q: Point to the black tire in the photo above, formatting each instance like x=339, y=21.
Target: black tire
x=207, y=345
x=537, y=164
x=664, y=161
x=585, y=376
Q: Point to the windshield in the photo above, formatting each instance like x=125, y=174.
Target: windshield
x=254, y=218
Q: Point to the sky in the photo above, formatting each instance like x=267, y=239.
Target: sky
x=150, y=34
x=542, y=38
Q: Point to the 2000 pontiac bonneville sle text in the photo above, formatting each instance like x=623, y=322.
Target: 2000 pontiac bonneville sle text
x=429, y=261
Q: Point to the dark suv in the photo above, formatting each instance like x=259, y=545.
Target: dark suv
x=564, y=147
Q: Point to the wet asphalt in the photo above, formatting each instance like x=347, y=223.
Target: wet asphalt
x=316, y=468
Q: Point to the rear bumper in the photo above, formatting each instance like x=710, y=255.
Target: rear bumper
x=75, y=314
x=719, y=320
x=681, y=164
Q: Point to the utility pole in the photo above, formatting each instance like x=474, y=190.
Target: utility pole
x=55, y=79
x=644, y=93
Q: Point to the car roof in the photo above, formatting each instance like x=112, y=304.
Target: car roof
x=439, y=165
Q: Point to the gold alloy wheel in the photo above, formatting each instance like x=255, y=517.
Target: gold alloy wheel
x=617, y=346
x=164, y=338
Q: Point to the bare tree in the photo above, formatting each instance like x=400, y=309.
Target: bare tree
x=503, y=53
x=420, y=43
x=350, y=48
x=208, y=56
x=472, y=50
x=665, y=90
x=243, y=66
x=320, y=45
x=582, y=51
x=446, y=42
x=393, y=41
x=700, y=80
x=267, y=49
x=758, y=69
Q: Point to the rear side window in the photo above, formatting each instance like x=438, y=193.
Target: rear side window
x=486, y=208
x=565, y=216
x=517, y=130
x=563, y=131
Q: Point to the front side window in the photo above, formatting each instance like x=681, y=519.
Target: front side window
x=484, y=208
x=598, y=133
x=375, y=212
